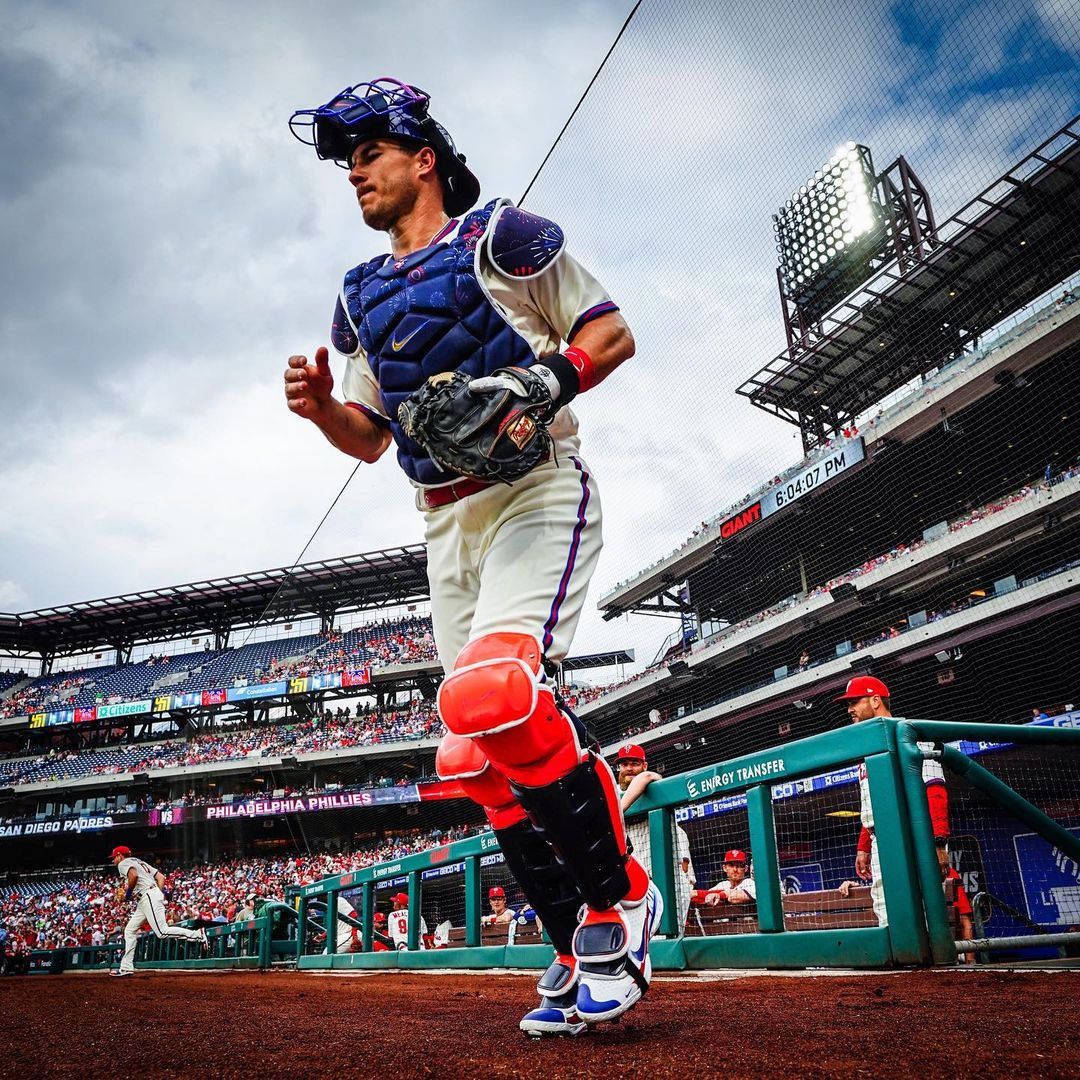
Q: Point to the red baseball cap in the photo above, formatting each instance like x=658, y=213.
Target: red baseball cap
x=863, y=686
x=380, y=916
x=120, y=850
x=735, y=856
x=400, y=898
x=496, y=892
x=630, y=752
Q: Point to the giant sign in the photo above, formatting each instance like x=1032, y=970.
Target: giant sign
x=844, y=457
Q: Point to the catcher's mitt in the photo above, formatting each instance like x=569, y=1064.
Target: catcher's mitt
x=495, y=429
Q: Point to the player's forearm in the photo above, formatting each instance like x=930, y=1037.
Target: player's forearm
x=607, y=341
x=351, y=431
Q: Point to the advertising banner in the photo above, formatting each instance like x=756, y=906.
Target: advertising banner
x=163, y=703
x=171, y=815
x=76, y=825
x=326, y=680
x=259, y=690
x=86, y=713
x=356, y=678
x=299, y=685
x=1051, y=881
x=124, y=708
x=62, y=716
x=308, y=803
x=191, y=700
x=214, y=697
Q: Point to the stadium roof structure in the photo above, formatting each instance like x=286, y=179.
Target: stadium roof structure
x=1005, y=248
x=357, y=582
x=599, y=659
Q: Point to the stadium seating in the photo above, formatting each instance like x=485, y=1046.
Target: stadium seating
x=579, y=696
x=377, y=645
x=332, y=733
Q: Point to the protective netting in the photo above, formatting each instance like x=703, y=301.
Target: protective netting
x=904, y=501
x=1017, y=883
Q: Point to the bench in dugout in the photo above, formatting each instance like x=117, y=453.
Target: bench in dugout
x=825, y=909
x=514, y=933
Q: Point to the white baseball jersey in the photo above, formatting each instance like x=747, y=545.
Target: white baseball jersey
x=348, y=937
x=932, y=773
x=144, y=871
x=397, y=926
x=637, y=832
x=747, y=885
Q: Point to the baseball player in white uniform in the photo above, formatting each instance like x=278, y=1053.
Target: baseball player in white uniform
x=483, y=301
x=634, y=776
x=867, y=697
x=397, y=925
x=144, y=883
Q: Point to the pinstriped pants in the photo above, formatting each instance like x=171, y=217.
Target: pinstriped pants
x=150, y=908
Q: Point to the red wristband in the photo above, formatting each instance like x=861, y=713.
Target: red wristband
x=583, y=365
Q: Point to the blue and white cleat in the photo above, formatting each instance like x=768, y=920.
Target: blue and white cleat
x=612, y=949
x=557, y=1012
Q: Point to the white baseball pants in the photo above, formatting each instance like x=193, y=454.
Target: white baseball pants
x=150, y=908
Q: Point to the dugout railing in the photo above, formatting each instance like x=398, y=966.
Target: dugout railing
x=812, y=927
x=246, y=944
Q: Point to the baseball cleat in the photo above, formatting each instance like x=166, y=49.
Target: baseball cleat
x=612, y=948
x=121, y=974
x=557, y=1012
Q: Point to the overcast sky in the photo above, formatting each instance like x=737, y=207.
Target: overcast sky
x=167, y=245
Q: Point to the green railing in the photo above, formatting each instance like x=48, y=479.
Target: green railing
x=231, y=945
x=909, y=733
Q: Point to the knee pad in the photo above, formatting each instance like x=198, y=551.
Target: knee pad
x=461, y=760
x=497, y=696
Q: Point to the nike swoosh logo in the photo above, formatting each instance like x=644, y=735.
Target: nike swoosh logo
x=639, y=952
x=397, y=346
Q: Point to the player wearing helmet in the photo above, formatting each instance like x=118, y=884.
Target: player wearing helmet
x=490, y=304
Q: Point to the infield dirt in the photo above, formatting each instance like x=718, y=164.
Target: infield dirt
x=394, y=1026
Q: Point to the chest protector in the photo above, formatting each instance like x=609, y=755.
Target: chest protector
x=427, y=313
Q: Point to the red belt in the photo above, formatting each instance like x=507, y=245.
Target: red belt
x=432, y=498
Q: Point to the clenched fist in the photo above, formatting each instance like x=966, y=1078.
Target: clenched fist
x=308, y=386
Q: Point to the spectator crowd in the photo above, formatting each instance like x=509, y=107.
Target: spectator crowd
x=68, y=911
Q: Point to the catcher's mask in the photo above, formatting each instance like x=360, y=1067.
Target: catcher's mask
x=386, y=108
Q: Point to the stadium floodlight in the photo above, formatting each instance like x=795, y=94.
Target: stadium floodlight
x=830, y=230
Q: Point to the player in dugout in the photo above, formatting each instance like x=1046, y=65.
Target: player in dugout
x=500, y=913
x=738, y=886
x=866, y=698
x=466, y=344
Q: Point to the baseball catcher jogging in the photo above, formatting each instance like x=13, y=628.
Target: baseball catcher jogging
x=466, y=345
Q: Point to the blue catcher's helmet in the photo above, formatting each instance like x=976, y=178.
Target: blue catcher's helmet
x=386, y=108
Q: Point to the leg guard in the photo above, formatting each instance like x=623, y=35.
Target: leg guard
x=462, y=760
x=497, y=696
x=529, y=857
x=545, y=881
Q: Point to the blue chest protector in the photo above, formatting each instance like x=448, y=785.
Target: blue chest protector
x=427, y=313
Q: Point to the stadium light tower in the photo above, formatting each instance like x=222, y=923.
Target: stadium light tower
x=839, y=227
